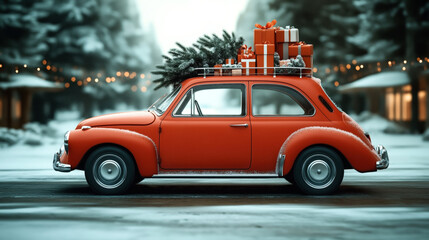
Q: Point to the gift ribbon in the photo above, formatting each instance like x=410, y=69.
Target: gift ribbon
x=285, y=51
x=265, y=58
x=288, y=36
x=267, y=26
x=247, y=62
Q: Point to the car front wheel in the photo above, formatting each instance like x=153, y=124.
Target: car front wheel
x=318, y=171
x=110, y=170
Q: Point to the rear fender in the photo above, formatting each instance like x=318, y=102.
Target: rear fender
x=142, y=148
x=357, y=153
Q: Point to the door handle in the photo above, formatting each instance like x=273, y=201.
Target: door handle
x=239, y=125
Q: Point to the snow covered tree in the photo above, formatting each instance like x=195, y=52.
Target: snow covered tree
x=78, y=39
x=208, y=51
x=24, y=38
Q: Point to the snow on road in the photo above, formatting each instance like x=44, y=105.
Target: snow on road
x=219, y=222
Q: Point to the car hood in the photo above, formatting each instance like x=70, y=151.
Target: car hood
x=125, y=118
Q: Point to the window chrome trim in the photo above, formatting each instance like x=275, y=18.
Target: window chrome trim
x=244, y=90
x=280, y=116
x=192, y=102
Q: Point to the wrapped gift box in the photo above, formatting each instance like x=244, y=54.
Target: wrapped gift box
x=246, y=64
x=291, y=50
x=261, y=36
x=305, y=50
x=265, y=57
x=287, y=35
x=246, y=54
x=218, y=72
x=229, y=61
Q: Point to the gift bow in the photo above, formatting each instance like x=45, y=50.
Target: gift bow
x=246, y=52
x=248, y=55
x=299, y=43
x=267, y=26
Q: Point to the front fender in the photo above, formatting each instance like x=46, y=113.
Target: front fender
x=358, y=154
x=142, y=148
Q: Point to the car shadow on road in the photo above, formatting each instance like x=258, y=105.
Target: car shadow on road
x=177, y=195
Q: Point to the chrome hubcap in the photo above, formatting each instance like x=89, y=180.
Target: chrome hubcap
x=110, y=170
x=319, y=171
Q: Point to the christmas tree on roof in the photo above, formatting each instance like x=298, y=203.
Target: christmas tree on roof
x=207, y=51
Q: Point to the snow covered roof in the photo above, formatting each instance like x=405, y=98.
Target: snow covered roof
x=28, y=81
x=378, y=80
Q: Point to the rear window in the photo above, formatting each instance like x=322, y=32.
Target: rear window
x=276, y=100
x=326, y=102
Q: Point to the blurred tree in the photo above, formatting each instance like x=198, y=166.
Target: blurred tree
x=24, y=38
x=78, y=39
x=97, y=37
x=326, y=24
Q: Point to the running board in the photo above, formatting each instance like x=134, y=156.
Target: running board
x=215, y=175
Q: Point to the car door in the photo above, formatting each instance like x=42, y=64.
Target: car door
x=209, y=129
x=277, y=111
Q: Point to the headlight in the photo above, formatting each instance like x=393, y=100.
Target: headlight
x=66, y=141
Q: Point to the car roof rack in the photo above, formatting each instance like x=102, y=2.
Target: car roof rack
x=277, y=71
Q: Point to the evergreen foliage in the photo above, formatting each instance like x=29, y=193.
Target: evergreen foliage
x=206, y=52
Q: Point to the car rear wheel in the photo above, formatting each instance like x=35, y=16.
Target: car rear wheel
x=110, y=170
x=318, y=171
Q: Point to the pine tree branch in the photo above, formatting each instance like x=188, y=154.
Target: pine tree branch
x=207, y=51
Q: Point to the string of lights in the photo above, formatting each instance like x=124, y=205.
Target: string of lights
x=100, y=77
x=80, y=81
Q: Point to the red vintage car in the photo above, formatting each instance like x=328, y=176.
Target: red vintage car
x=224, y=126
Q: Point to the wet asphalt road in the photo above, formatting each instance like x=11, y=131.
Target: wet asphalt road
x=61, y=206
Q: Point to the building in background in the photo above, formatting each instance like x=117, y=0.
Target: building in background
x=16, y=98
x=389, y=94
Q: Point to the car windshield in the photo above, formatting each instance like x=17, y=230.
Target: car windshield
x=161, y=105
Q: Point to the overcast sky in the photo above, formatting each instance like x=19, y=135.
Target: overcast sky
x=185, y=21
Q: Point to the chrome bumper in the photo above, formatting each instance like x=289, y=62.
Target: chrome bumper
x=57, y=165
x=383, y=163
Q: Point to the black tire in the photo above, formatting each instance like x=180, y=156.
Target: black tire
x=110, y=170
x=138, y=178
x=318, y=171
x=289, y=177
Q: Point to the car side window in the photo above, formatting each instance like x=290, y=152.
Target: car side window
x=213, y=100
x=277, y=100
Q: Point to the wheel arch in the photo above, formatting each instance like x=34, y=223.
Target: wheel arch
x=81, y=165
x=349, y=147
x=140, y=147
x=346, y=163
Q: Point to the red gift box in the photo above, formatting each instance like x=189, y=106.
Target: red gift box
x=246, y=64
x=265, y=58
x=246, y=54
x=264, y=35
x=283, y=50
x=218, y=72
x=229, y=61
x=305, y=50
x=289, y=34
